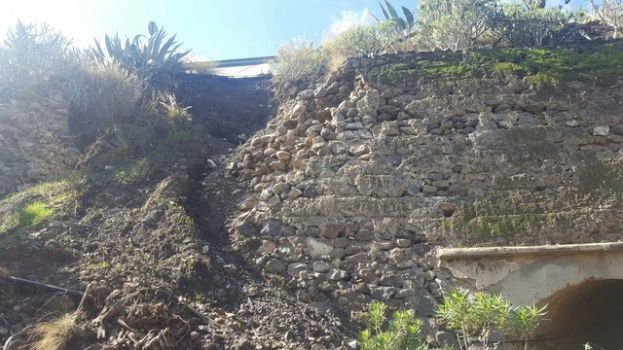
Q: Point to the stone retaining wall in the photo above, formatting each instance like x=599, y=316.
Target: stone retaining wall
x=354, y=183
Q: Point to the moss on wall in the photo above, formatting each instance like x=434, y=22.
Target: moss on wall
x=539, y=66
x=513, y=216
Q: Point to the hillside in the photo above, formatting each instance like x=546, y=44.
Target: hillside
x=274, y=219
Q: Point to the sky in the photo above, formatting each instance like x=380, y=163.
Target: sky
x=213, y=29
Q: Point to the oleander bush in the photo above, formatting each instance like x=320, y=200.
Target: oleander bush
x=476, y=316
x=400, y=332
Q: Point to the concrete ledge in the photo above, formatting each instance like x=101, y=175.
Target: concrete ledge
x=493, y=252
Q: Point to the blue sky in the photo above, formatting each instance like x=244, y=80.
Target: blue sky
x=214, y=29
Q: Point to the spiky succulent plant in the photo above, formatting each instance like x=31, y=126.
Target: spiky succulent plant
x=155, y=58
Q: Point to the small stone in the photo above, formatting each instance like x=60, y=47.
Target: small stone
x=327, y=134
x=359, y=150
x=403, y=243
x=310, y=192
x=353, y=126
x=266, y=194
x=338, y=274
x=205, y=250
x=295, y=193
x=273, y=201
x=385, y=245
x=280, y=187
x=320, y=266
x=601, y=131
x=282, y=155
x=267, y=247
x=210, y=164
x=413, y=189
x=447, y=209
x=194, y=335
x=506, y=124
x=447, y=339
x=331, y=231
x=317, y=249
x=364, y=235
x=426, y=304
x=230, y=269
x=299, y=109
x=572, y=123
x=271, y=228
x=382, y=293
x=295, y=269
x=427, y=189
x=357, y=258
x=275, y=266
x=306, y=94
x=246, y=228
x=321, y=91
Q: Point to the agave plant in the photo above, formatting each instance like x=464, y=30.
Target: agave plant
x=405, y=24
x=154, y=58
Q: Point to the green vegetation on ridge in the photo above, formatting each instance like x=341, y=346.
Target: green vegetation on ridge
x=539, y=66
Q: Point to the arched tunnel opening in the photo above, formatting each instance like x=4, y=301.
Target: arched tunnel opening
x=591, y=312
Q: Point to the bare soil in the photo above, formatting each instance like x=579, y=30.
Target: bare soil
x=155, y=262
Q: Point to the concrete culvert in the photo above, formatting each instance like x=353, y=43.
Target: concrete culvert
x=591, y=312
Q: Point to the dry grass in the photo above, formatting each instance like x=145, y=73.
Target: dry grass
x=55, y=334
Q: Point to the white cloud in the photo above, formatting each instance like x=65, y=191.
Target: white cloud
x=348, y=20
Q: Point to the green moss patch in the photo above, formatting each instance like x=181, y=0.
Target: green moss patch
x=590, y=205
x=25, y=211
x=539, y=66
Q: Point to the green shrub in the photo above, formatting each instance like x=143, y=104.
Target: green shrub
x=155, y=58
x=298, y=60
x=134, y=172
x=523, y=321
x=609, y=12
x=453, y=24
x=359, y=41
x=103, y=96
x=179, y=118
x=518, y=26
x=177, y=115
x=33, y=55
x=476, y=316
x=398, y=333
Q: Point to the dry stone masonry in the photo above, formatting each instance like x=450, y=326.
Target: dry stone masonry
x=35, y=141
x=355, y=182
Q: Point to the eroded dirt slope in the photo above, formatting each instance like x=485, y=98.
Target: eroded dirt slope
x=142, y=233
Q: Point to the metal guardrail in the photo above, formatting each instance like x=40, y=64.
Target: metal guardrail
x=238, y=62
x=241, y=62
